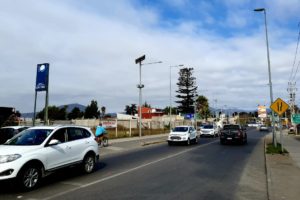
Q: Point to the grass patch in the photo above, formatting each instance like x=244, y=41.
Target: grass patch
x=272, y=150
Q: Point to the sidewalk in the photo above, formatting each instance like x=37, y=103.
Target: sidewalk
x=283, y=171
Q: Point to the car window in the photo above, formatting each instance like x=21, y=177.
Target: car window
x=30, y=137
x=60, y=135
x=5, y=134
x=231, y=127
x=208, y=127
x=76, y=134
x=180, y=129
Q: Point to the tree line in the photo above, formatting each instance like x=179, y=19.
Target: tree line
x=60, y=113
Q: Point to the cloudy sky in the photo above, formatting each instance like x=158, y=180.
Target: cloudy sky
x=92, y=45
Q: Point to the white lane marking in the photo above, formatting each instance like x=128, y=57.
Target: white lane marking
x=71, y=183
x=127, y=171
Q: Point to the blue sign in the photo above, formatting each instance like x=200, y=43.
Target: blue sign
x=42, y=77
x=189, y=116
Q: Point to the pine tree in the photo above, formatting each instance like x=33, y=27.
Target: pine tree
x=186, y=90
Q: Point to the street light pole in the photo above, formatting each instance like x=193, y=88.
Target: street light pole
x=140, y=86
x=170, y=111
x=269, y=71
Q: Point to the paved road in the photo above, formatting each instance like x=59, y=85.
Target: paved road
x=207, y=170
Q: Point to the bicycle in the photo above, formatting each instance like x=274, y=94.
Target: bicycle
x=102, y=140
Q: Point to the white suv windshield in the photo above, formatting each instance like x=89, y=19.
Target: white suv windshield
x=30, y=137
x=180, y=129
x=208, y=127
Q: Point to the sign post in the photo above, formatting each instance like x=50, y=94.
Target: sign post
x=279, y=106
x=42, y=82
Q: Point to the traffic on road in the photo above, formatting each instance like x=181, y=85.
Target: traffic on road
x=128, y=171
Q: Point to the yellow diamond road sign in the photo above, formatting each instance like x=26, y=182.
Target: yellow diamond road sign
x=279, y=106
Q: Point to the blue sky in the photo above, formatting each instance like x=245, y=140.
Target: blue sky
x=91, y=46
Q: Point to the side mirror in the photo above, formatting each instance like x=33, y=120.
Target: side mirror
x=54, y=142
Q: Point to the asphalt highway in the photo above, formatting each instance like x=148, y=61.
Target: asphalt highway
x=206, y=170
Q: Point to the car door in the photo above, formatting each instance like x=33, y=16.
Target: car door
x=78, y=141
x=59, y=154
x=192, y=133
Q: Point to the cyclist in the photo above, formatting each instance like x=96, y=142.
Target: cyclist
x=100, y=131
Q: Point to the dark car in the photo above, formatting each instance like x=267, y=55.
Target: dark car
x=233, y=133
x=10, y=131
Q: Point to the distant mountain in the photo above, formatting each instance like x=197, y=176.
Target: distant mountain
x=70, y=107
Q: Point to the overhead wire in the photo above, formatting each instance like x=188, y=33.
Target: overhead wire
x=294, y=73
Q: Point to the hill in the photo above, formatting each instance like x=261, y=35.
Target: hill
x=70, y=107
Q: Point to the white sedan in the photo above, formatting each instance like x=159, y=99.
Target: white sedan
x=183, y=134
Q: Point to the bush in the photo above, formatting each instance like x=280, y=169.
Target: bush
x=272, y=150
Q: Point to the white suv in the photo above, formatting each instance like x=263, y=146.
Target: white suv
x=33, y=153
x=186, y=134
x=209, y=130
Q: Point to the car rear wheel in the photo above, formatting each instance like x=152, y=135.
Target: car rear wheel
x=89, y=163
x=29, y=177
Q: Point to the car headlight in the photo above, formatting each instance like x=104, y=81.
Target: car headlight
x=9, y=158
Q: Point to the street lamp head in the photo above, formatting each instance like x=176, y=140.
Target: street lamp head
x=259, y=9
x=140, y=59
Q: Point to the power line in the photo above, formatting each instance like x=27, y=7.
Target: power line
x=292, y=77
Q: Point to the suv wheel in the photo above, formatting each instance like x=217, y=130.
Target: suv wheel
x=196, y=140
x=29, y=177
x=188, y=142
x=89, y=163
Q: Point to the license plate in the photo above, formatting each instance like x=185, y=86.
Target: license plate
x=229, y=138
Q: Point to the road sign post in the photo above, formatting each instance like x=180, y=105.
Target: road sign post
x=279, y=106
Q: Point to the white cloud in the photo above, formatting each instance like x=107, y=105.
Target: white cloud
x=91, y=52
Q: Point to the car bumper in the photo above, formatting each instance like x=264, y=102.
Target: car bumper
x=231, y=139
x=9, y=170
x=177, y=139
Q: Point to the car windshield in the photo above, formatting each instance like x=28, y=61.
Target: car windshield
x=180, y=129
x=208, y=127
x=231, y=127
x=30, y=137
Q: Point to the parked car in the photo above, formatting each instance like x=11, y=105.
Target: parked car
x=209, y=130
x=263, y=128
x=292, y=130
x=233, y=133
x=183, y=134
x=8, y=132
x=37, y=151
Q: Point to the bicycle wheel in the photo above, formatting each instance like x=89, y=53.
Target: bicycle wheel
x=105, y=141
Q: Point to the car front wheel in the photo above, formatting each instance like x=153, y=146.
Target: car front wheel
x=188, y=142
x=29, y=177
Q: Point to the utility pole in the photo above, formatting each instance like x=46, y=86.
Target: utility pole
x=292, y=95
